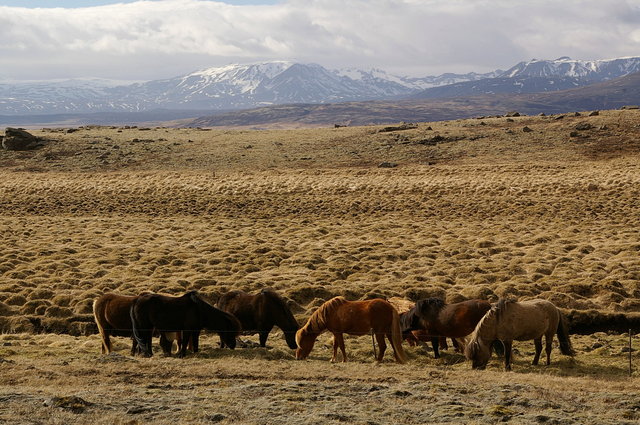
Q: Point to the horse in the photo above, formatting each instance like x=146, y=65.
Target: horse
x=432, y=317
x=111, y=313
x=510, y=320
x=412, y=330
x=188, y=314
x=340, y=316
x=259, y=313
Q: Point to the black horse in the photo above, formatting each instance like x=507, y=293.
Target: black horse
x=259, y=313
x=188, y=314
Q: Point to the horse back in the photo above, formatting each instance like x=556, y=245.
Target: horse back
x=359, y=317
x=529, y=319
x=111, y=311
x=243, y=306
x=167, y=313
x=459, y=319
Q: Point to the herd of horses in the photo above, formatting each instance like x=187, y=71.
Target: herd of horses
x=476, y=327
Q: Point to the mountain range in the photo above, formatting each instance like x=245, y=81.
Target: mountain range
x=235, y=87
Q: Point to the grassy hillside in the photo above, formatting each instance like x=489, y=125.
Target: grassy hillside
x=526, y=206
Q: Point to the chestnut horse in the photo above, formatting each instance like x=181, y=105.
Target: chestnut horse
x=340, y=316
x=433, y=317
x=510, y=320
x=188, y=314
x=259, y=313
x=111, y=313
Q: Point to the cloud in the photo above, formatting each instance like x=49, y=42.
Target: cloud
x=156, y=39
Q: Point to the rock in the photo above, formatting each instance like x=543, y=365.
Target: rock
x=583, y=126
x=387, y=165
x=594, y=113
x=559, y=117
x=402, y=126
x=630, y=107
x=16, y=139
x=512, y=114
x=527, y=130
x=73, y=403
x=216, y=417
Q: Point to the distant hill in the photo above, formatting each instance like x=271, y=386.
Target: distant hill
x=606, y=95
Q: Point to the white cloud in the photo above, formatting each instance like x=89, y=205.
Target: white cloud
x=164, y=38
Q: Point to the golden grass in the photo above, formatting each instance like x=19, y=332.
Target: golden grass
x=484, y=210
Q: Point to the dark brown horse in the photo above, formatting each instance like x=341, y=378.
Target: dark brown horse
x=437, y=319
x=111, y=313
x=188, y=314
x=510, y=320
x=340, y=316
x=259, y=313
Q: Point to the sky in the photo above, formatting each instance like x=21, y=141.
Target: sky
x=155, y=39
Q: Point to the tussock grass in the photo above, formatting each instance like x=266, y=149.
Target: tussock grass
x=490, y=211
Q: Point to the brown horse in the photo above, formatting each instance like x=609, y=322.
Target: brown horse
x=259, y=313
x=412, y=330
x=188, y=314
x=340, y=316
x=510, y=320
x=111, y=313
x=431, y=316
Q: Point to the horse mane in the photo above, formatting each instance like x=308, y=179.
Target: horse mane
x=501, y=306
x=436, y=303
x=318, y=320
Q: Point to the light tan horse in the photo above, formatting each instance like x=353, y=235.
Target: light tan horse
x=510, y=320
x=340, y=316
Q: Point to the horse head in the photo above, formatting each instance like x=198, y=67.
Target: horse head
x=304, y=341
x=478, y=352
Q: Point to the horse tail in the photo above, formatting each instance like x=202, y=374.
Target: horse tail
x=144, y=348
x=396, y=338
x=106, y=343
x=563, y=337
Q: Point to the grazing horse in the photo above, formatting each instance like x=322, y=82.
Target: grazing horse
x=431, y=316
x=340, y=316
x=412, y=330
x=259, y=313
x=510, y=320
x=188, y=314
x=111, y=313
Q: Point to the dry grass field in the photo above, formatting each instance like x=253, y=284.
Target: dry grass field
x=526, y=206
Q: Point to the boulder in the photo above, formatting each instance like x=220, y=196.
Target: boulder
x=16, y=139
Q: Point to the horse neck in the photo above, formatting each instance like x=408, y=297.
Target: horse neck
x=486, y=328
x=283, y=318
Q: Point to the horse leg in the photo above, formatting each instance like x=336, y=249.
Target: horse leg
x=548, y=346
x=263, y=335
x=507, y=355
x=434, y=342
x=106, y=343
x=166, y=344
x=134, y=346
x=442, y=342
x=338, y=342
x=182, y=349
x=382, y=345
x=195, y=341
x=538, y=343
x=456, y=345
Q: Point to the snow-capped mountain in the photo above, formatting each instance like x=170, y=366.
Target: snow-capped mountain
x=538, y=76
x=591, y=71
x=280, y=82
